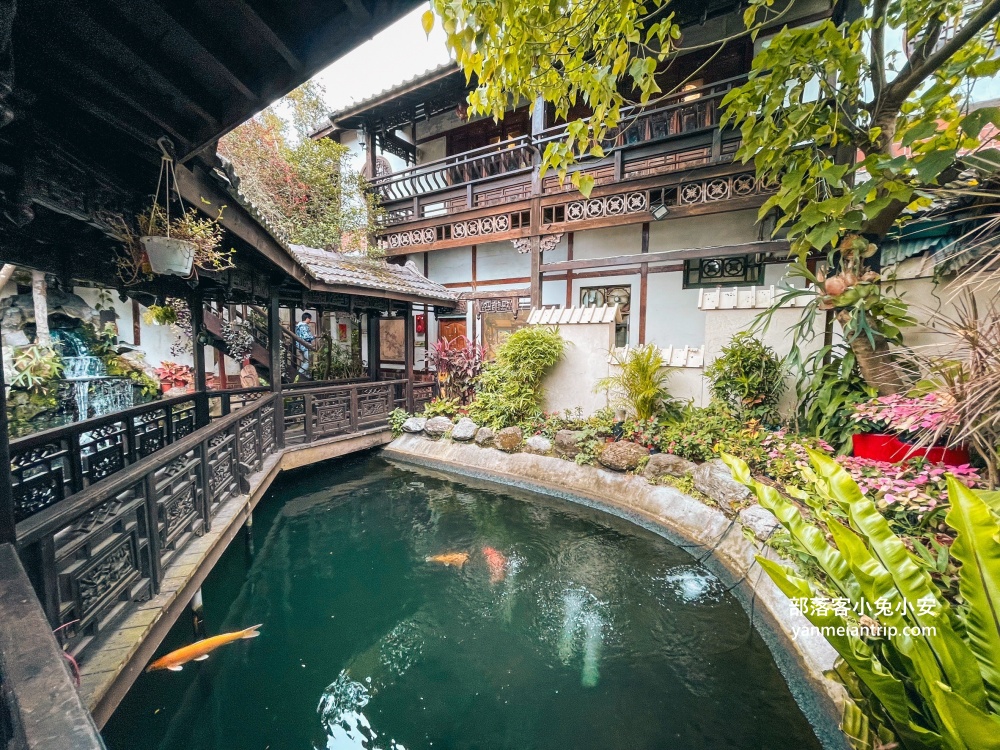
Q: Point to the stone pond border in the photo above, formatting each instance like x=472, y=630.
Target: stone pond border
x=680, y=518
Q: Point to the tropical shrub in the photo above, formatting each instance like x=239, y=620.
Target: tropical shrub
x=699, y=430
x=334, y=360
x=640, y=385
x=827, y=393
x=175, y=375
x=441, y=407
x=748, y=377
x=458, y=363
x=396, y=419
x=923, y=672
x=509, y=389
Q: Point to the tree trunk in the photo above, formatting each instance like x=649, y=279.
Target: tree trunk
x=39, y=296
x=876, y=363
x=5, y=273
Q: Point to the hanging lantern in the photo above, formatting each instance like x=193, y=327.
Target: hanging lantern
x=420, y=322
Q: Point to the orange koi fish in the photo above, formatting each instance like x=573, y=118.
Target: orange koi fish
x=497, y=562
x=199, y=650
x=456, y=559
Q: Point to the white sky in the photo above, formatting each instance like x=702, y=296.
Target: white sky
x=390, y=57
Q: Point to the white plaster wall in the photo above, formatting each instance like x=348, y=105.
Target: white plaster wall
x=570, y=384
x=672, y=314
x=684, y=232
x=432, y=150
x=607, y=242
x=501, y=260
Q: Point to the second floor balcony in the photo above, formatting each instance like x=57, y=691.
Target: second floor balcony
x=674, y=154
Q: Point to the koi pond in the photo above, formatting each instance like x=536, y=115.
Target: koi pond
x=405, y=609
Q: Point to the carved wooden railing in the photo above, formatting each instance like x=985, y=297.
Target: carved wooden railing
x=49, y=466
x=506, y=158
x=679, y=133
x=105, y=543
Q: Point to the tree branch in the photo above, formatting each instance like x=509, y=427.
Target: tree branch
x=879, y=21
x=914, y=73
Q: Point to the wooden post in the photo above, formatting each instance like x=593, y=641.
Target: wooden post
x=274, y=341
x=373, y=345
x=536, y=272
x=410, y=343
x=197, y=304
x=643, y=284
x=8, y=530
x=39, y=294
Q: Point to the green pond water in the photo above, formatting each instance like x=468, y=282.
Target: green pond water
x=566, y=628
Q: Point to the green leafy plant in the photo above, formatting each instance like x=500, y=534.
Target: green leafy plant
x=640, y=385
x=396, y=419
x=160, y=315
x=748, y=377
x=699, y=430
x=926, y=673
x=35, y=368
x=829, y=392
x=118, y=366
x=509, y=390
x=442, y=407
x=334, y=361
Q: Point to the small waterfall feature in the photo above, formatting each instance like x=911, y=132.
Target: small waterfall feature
x=95, y=393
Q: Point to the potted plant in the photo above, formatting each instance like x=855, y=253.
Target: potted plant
x=891, y=423
x=173, y=375
x=162, y=242
x=160, y=315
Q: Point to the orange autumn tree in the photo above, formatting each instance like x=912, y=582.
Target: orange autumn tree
x=305, y=189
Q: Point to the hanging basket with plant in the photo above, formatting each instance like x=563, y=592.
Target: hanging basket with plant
x=166, y=242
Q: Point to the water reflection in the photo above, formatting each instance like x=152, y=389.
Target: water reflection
x=582, y=629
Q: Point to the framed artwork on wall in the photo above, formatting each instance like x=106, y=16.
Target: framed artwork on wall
x=392, y=339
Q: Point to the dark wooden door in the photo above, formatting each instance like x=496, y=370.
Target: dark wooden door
x=452, y=330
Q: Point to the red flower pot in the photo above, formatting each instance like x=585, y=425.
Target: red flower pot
x=882, y=447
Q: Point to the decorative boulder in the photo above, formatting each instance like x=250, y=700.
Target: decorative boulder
x=568, y=442
x=437, y=426
x=508, y=439
x=714, y=479
x=623, y=455
x=414, y=424
x=667, y=464
x=465, y=430
x=484, y=437
x=759, y=520
x=538, y=444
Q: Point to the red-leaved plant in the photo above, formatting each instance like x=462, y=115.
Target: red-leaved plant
x=457, y=362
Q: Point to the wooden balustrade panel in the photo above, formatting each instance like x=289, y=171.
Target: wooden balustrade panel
x=102, y=562
x=331, y=413
x=178, y=491
x=223, y=469
x=41, y=476
x=374, y=404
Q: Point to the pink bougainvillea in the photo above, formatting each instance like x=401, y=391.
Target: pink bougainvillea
x=901, y=415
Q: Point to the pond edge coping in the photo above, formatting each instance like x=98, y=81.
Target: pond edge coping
x=679, y=518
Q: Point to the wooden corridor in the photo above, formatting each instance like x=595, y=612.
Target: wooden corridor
x=148, y=502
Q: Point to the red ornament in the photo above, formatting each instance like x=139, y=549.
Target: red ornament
x=421, y=323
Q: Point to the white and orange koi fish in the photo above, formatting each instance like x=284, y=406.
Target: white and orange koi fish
x=199, y=650
x=450, y=559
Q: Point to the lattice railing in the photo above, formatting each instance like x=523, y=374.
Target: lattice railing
x=106, y=529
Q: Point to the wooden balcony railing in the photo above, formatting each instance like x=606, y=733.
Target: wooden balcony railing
x=101, y=541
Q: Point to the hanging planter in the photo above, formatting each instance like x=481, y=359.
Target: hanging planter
x=169, y=255
x=170, y=241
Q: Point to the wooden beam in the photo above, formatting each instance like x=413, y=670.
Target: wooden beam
x=136, y=61
x=8, y=533
x=195, y=186
x=668, y=256
x=569, y=274
x=268, y=34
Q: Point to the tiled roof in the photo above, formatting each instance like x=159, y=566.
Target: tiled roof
x=375, y=276
x=387, y=93
x=562, y=316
